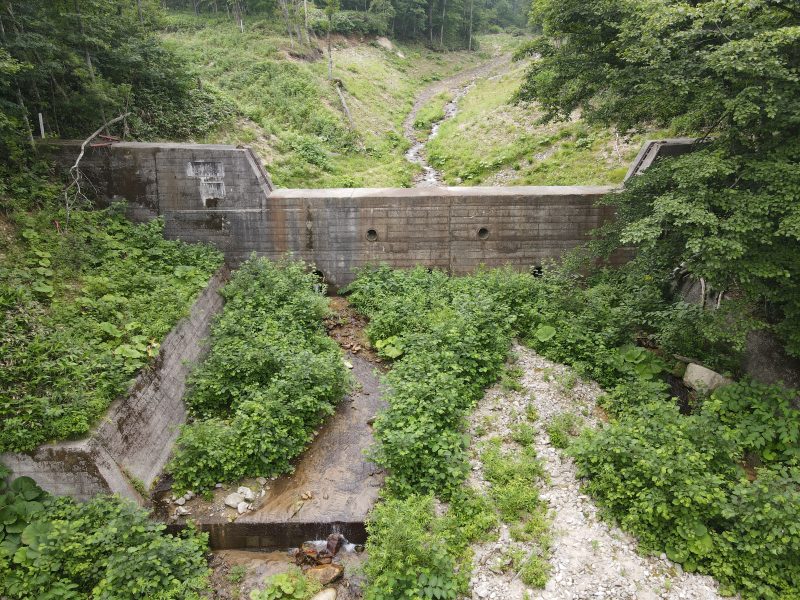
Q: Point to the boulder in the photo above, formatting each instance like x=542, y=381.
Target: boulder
x=702, y=379
x=234, y=500
x=326, y=574
x=246, y=493
x=326, y=594
x=242, y=507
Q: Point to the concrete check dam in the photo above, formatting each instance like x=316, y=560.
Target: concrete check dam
x=222, y=195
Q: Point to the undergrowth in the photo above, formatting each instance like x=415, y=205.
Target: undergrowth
x=718, y=490
x=271, y=376
x=107, y=548
x=84, y=305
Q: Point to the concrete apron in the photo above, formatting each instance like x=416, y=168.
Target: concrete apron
x=339, y=483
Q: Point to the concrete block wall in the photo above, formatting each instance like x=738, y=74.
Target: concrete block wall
x=222, y=195
x=134, y=439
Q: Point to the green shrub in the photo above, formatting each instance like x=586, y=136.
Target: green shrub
x=450, y=338
x=82, y=308
x=106, y=548
x=675, y=482
x=562, y=428
x=409, y=553
x=293, y=585
x=270, y=378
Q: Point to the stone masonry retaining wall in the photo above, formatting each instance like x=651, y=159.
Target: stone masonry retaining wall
x=135, y=437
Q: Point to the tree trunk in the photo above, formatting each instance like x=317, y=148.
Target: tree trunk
x=441, y=31
x=285, y=11
x=469, y=46
x=330, y=54
x=139, y=9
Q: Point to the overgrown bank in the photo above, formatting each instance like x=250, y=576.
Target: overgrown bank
x=84, y=302
x=271, y=376
x=53, y=547
x=717, y=489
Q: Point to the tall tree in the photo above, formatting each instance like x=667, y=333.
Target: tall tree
x=727, y=70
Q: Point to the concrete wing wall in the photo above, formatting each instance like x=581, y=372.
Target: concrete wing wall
x=134, y=440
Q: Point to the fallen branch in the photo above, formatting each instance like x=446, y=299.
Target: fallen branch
x=73, y=193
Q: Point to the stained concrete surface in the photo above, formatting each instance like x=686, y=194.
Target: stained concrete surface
x=342, y=482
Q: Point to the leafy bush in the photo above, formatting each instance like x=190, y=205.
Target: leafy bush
x=415, y=554
x=106, y=548
x=287, y=586
x=83, y=308
x=450, y=338
x=271, y=376
x=676, y=482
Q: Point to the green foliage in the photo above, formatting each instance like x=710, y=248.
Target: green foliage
x=82, y=65
x=454, y=335
x=513, y=478
x=763, y=420
x=105, y=548
x=727, y=212
x=270, y=378
x=675, y=482
x=287, y=586
x=562, y=427
x=83, y=309
x=415, y=554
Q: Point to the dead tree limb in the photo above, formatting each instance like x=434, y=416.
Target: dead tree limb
x=73, y=193
x=344, y=106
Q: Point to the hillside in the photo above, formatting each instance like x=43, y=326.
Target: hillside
x=292, y=116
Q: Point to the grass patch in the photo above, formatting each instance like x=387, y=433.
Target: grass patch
x=562, y=428
x=492, y=141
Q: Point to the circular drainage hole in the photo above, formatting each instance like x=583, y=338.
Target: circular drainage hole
x=372, y=235
x=483, y=233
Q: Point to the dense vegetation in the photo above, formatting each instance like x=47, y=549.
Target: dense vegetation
x=271, y=376
x=83, y=63
x=55, y=548
x=84, y=305
x=449, y=339
x=443, y=24
x=727, y=505
x=728, y=502
x=728, y=213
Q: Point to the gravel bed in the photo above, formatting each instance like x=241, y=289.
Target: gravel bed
x=589, y=557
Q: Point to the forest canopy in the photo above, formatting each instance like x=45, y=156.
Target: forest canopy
x=725, y=70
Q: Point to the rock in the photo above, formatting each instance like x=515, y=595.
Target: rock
x=400, y=54
x=217, y=485
x=307, y=495
x=385, y=43
x=348, y=364
x=326, y=574
x=482, y=590
x=182, y=512
x=189, y=495
x=326, y=594
x=246, y=493
x=262, y=481
x=233, y=500
x=242, y=507
x=702, y=379
x=335, y=541
x=180, y=501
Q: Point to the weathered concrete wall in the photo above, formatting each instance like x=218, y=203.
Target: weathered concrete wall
x=135, y=437
x=222, y=195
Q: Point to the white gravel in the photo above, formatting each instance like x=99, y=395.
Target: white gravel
x=589, y=558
